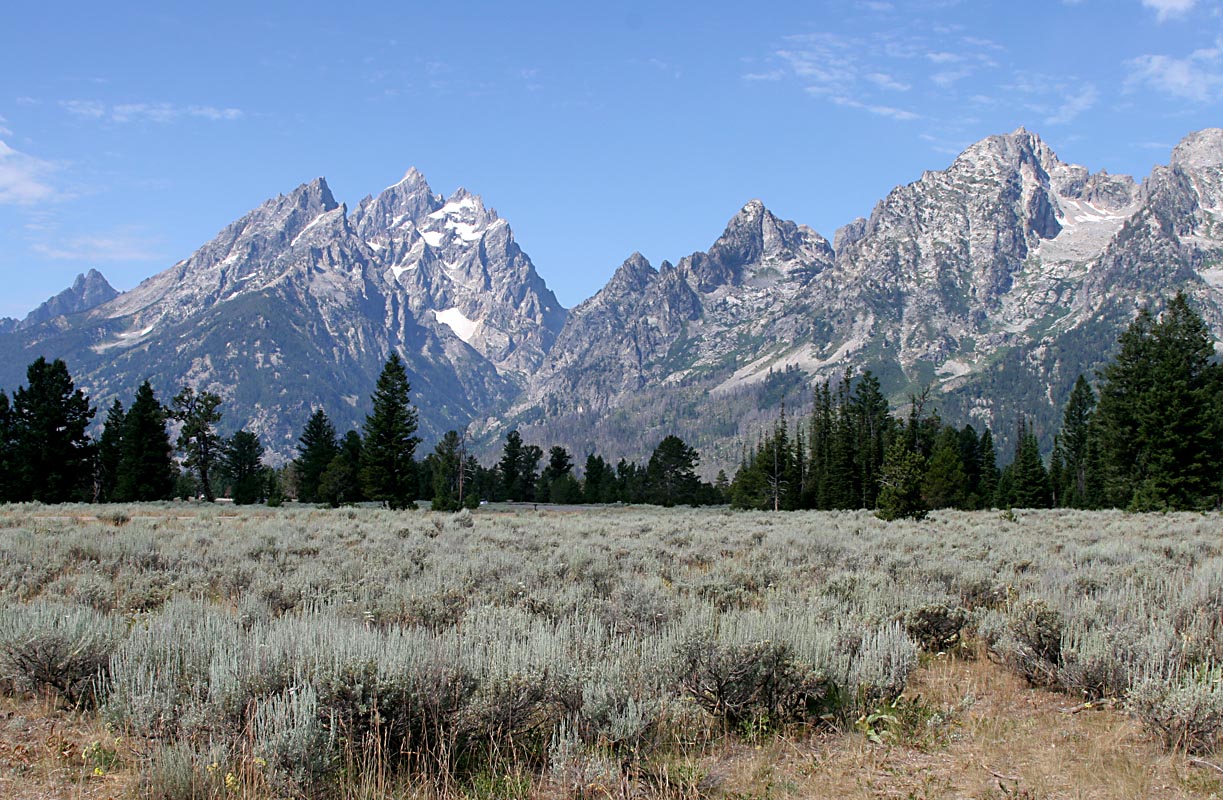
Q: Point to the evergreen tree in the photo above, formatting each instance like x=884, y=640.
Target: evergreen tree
x=388, y=469
x=340, y=482
x=1057, y=475
x=1078, y=479
x=970, y=458
x=110, y=453
x=600, y=481
x=873, y=423
x=146, y=469
x=510, y=468
x=53, y=456
x=557, y=478
x=1158, y=427
x=630, y=482
x=900, y=483
x=242, y=466
x=447, y=464
x=8, y=472
x=1029, y=482
x=197, y=438
x=988, y=458
x=316, y=449
x=945, y=481
x=670, y=475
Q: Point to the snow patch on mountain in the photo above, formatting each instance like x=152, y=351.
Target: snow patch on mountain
x=458, y=322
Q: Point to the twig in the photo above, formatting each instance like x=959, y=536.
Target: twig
x=999, y=775
x=1203, y=763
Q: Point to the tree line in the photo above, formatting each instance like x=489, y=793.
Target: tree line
x=47, y=455
x=1148, y=436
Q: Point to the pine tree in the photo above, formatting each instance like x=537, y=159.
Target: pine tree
x=8, y=487
x=340, y=483
x=873, y=424
x=447, y=462
x=970, y=458
x=110, y=453
x=1029, y=480
x=316, y=449
x=1158, y=426
x=988, y=458
x=242, y=466
x=146, y=469
x=1078, y=478
x=599, y=485
x=510, y=466
x=197, y=438
x=900, y=483
x=1057, y=475
x=388, y=470
x=670, y=475
x=945, y=482
x=52, y=453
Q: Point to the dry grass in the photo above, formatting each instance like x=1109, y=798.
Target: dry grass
x=1001, y=739
x=1005, y=740
x=47, y=751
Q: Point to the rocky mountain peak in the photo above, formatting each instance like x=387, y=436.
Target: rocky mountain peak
x=401, y=203
x=89, y=290
x=1199, y=150
x=632, y=276
x=1011, y=150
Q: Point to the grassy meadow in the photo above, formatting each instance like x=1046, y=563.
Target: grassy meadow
x=185, y=651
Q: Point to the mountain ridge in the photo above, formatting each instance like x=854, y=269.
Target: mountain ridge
x=995, y=280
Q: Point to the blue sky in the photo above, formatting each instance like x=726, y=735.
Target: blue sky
x=130, y=133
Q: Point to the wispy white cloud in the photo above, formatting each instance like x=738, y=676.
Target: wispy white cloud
x=1167, y=9
x=161, y=113
x=124, y=244
x=886, y=81
x=24, y=179
x=1077, y=103
x=1197, y=77
x=866, y=71
x=882, y=111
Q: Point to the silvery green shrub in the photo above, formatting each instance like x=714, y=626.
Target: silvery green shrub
x=52, y=645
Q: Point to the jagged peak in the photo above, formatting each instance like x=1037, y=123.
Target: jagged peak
x=634, y=273
x=1014, y=148
x=1199, y=149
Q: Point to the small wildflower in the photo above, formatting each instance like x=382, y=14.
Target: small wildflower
x=231, y=781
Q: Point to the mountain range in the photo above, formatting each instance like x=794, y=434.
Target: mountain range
x=995, y=282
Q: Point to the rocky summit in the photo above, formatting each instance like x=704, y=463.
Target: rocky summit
x=297, y=305
x=995, y=282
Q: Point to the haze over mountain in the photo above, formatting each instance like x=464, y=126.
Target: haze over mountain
x=995, y=281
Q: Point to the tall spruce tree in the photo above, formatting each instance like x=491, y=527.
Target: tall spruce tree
x=53, y=454
x=1078, y=488
x=1029, y=487
x=988, y=457
x=198, y=439
x=388, y=470
x=242, y=466
x=447, y=464
x=599, y=484
x=1158, y=423
x=316, y=449
x=146, y=469
x=945, y=480
x=110, y=453
x=8, y=475
x=900, y=483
